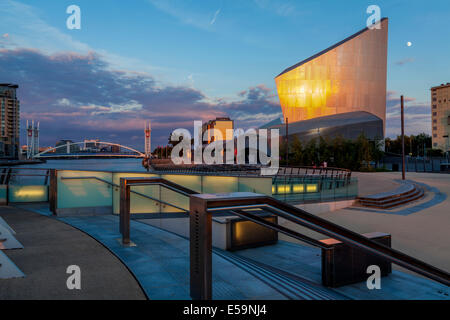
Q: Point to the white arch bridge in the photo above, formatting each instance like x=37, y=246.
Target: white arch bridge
x=72, y=150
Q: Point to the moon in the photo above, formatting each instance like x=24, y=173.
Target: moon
x=409, y=43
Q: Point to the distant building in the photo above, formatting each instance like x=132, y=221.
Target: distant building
x=91, y=145
x=440, y=116
x=66, y=146
x=115, y=149
x=348, y=125
x=220, y=124
x=41, y=149
x=10, y=121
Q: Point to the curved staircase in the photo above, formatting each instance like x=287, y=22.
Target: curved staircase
x=406, y=193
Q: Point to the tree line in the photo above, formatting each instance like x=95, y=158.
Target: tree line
x=357, y=155
x=338, y=152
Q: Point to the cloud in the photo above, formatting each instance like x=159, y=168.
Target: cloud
x=80, y=96
x=64, y=102
x=213, y=20
x=417, y=115
x=393, y=100
x=189, y=12
x=282, y=8
x=26, y=29
x=404, y=61
x=23, y=22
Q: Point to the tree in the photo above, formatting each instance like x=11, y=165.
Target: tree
x=414, y=145
x=297, y=150
x=363, y=152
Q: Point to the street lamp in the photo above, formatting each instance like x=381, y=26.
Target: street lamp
x=402, y=111
x=318, y=146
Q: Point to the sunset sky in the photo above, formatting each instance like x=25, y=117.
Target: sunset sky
x=175, y=61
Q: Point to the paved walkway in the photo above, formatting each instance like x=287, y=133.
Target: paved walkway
x=420, y=229
x=50, y=246
x=432, y=197
x=372, y=183
x=160, y=261
x=306, y=262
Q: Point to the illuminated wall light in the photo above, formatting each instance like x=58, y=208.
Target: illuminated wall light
x=311, y=188
x=299, y=188
x=29, y=193
x=284, y=188
x=273, y=189
x=239, y=231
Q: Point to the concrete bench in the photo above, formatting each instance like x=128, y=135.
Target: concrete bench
x=343, y=264
x=235, y=233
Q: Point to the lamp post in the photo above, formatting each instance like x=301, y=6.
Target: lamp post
x=403, y=136
x=287, y=141
x=318, y=146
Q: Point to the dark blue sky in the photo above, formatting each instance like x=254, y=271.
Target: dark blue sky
x=175, y=61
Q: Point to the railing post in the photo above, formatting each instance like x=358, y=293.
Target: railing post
x=53, y=191
x=200, y=249
x=7, y=195
x=124, y=218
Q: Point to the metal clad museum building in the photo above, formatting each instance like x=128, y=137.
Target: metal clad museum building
x=344, y=85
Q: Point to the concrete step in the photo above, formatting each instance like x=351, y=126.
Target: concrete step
x=410, y=198
x=386, y=200
x=290, y=286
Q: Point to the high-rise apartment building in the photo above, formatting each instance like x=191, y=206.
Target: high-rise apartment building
x=9, y=121
x=440, y=116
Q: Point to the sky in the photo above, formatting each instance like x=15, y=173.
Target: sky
x=176, y=61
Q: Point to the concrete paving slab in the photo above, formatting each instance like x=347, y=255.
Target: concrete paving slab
x=397, y=286
x=160, y=261
x=5, y=225
x=8, y=270
x=7, y=240
x=50, y=246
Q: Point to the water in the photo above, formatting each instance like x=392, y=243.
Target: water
x=120, y=165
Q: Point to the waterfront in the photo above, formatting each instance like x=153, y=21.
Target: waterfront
x=290, y=187
x=159, y=260
x=128, y=164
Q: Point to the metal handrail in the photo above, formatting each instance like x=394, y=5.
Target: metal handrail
x=125, y=191
x=7, y=173
x=132, y=191
x=278, y=228
x=26, y=175
x=186, y=191
x=333, y=230
x=24, y=168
